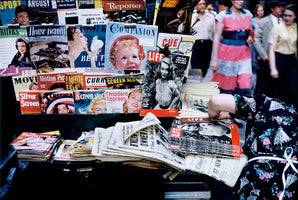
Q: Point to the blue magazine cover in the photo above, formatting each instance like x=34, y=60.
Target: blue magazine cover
x=13, y=12
x=127, y=45
x=42, y=11
x=90, y=101
x=86, y=45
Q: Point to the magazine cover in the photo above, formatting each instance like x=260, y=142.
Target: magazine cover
x=62, y=153
x=95, y=81
x=92, y=16
x=66, y=4
x=30, y=102
x=60, y=102
x=150, y=11
x=127, y=47
x=87, y=4
x=35, y=142
x=90, y=52
x=51, y=81
x=205, y=137
x=123, y=100
x=49, y=47
x=125, y=81
x=174, y=16
x=90, y=102
x=68, y=16
x=177, y=43
x=42, y=11
x=129, y=11
x=163, y=81
x=14, y=46
x=74, y=81
x=13, y=12
x=24, y=83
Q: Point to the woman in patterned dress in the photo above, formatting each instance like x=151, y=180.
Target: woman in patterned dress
x=231, y=57
x=270, y=145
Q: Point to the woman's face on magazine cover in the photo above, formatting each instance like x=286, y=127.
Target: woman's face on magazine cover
x=80, y=40
x=22, y=47
x=99, y=108
x=128, y=58
x=134, y=102
x=164, y=68
x=62, y=109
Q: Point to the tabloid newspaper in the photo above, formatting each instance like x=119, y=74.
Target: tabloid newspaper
x=42, y=11
x=145, y=139
x=9, y=53
x=123, y=100
x=125, y=81
x=51, y=81
x=93, y=53
x=59, y=102
x=49, y=47
x=194, y=99
x=163, y=83
x=24, y=83
x=90, y=101
x=131, y=42
x=215, y=138
x=174, y=16
x=7, y=11
x=129, y=11
x=226, y=170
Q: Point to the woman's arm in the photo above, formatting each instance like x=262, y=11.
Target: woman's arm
x=272, y=61
x=221, y=105
x=218, y=31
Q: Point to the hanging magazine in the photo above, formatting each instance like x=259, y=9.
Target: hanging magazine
x=163, y=81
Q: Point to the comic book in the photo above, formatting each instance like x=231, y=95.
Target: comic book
x=177, y=43
x=205, y=137
x=51, y=81
x=29, y=102
x=24, y=83
x=129, y=11
x=131, y=42
x=49, y=47
x=90, y=102
x=93, y=54
x=34, y=143
x=163, y=83
x=123, y=100
x=174, y=16
x=7, y=11
x=95, y=81
x=59, y=102
x=125, y=81
x=74, y=81
x=9, y=53
x=42, y=11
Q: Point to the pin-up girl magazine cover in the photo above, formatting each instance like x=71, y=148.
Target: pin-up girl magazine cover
x=127, y=45
x=164, y=75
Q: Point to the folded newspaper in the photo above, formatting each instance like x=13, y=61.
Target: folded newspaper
x=137, y=140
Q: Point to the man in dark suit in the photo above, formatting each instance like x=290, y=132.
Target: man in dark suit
x=261, y=46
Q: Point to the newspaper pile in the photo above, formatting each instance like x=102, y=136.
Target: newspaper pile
x=216, y=138
x=194, y=98
x=76, y=150
x=226, y=170
x=136, y=140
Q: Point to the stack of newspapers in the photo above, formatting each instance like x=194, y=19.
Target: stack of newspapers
x=205, y=137
x=136, y=140
x=194, y=99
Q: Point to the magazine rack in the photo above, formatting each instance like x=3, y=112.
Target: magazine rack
x=92, y=179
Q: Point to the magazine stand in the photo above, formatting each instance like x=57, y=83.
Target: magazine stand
x=74, y=179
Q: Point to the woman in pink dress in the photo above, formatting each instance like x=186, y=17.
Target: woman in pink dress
x=231, y=57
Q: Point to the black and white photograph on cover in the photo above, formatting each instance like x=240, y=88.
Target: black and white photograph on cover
x=163, y=81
